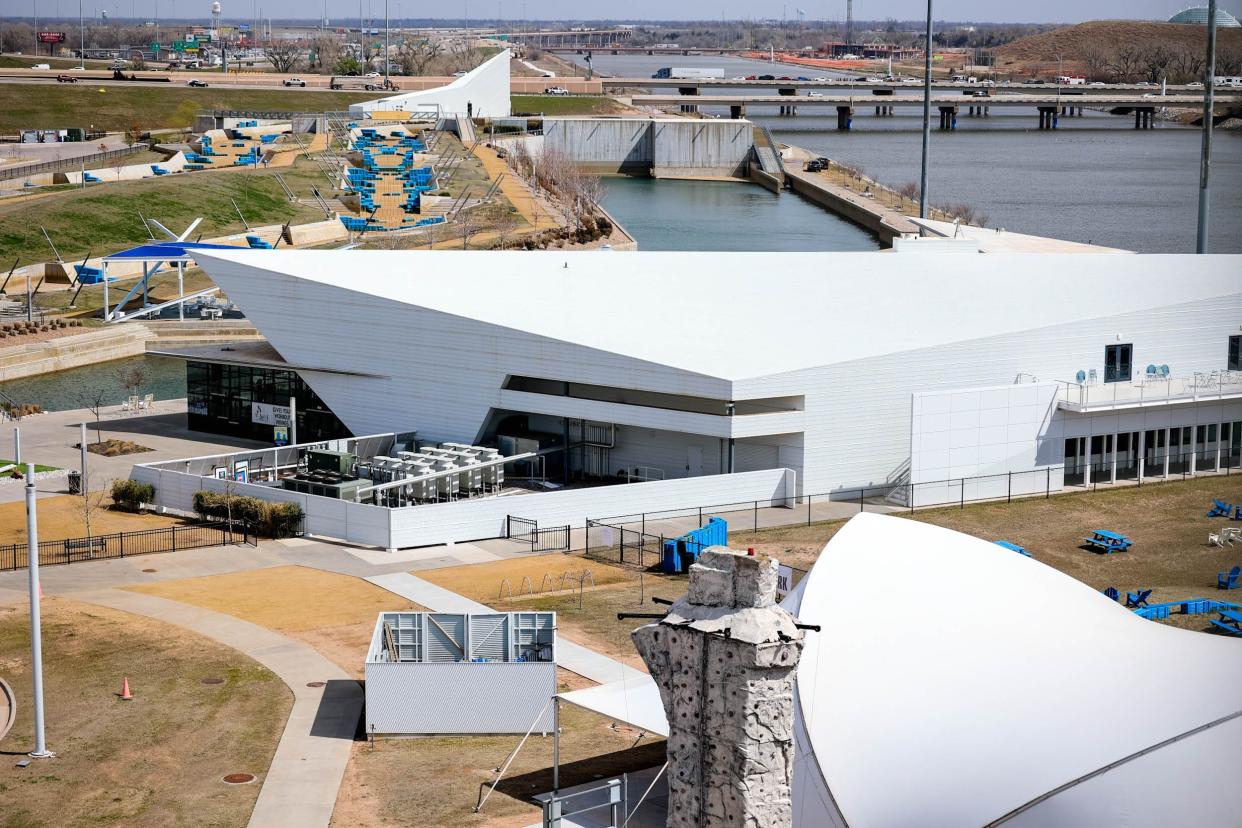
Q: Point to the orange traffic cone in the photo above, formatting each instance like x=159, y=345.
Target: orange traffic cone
x=125, y=694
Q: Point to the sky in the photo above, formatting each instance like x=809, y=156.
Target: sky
x=1011, y=11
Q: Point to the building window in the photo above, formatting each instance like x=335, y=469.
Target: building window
x=221, y=398
x=1235, y=353
x=1118, y=363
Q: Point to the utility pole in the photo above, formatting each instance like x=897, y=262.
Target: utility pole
x=36, y=623
x=86, y=492
x=1209, y=105
x=81, y=36
x=386, y=60
x=927, y=79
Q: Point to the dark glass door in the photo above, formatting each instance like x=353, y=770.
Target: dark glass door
x=1118, y=361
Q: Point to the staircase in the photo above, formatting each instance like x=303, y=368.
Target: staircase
x=899, y=482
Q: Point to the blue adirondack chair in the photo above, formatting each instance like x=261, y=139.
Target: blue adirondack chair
x=1112, y=594
x=1220, y=509
x=1229, y=580
x=1138, y=599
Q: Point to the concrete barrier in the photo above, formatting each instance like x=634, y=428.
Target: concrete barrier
x=656, y=147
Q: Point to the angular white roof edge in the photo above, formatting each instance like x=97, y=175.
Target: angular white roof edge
x=744, y=315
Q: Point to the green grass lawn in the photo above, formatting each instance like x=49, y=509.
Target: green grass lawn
x=565, y=104
x=38, y=468
x=104, y=218
x=26, y=61
x=118, y=107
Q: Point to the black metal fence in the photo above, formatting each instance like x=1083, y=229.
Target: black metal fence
x=618, y=544
x=127, y=544
x=69, y=164
x=547, y=539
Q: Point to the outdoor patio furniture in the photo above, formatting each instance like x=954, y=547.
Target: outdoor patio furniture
x=1220, y=509
x=1108, y=542
x=1080, y=377
x=1112, y=594
x=1138, y=599
x=1230, y=621
x=1012, y=546
x=1215, y=539
x=1092, y=376
x=1229, y=580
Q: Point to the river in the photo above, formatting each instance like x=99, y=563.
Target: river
x=1095, y=179
x=73, y=387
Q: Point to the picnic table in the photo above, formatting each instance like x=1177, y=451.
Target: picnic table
x=1230, y=621
x=1107, y=541
x=1013, y=547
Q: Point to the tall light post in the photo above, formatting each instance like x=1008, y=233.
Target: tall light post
x=927, y=79
x=81, y=36
x=386, y=43
x=1205, y=158
x=36, y=622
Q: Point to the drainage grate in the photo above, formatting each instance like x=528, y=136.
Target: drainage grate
x=239, y=778
x=213, y=680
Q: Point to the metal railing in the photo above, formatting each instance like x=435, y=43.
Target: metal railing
x=68, y=164
x=547, y=539
x=127, y=544
x=637, y=539
x=1151, y=390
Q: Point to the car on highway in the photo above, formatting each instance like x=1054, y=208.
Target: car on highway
x=371, y=75
x=815, y=93
x=784, y=77
x=1191, y=85
x=66, y=79
x=556, y=90
x=459, y=74
x=1144, y=83
x=766, y=77
x=196, y=83
x=802, y=78
x=987, y=83
x=294, y=82
x=751, y=77
x=1097, y=83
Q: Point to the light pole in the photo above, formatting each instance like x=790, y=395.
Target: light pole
x=36, y=623
x=927, y=79
x=385, y=43
x=1205, y=158
x=81, y=37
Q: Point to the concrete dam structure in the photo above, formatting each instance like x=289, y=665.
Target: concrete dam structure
x=647, y=147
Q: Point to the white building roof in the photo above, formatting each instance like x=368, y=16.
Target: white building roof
x=976, y=681
x=484, y=91
x=742, y=315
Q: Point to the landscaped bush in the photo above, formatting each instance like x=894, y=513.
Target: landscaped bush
x=273, y=520
x=130, y=494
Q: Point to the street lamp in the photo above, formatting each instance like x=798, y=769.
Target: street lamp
x=1205, y=158
x=927, y=78
x=81, y=36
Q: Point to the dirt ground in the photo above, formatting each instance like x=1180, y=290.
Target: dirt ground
x=383, y=785
x=61, y=517
x=155, y=761
x=484, y=582
x=1166, y=521
x=333, y=613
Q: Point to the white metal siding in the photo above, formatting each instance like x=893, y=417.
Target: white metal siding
x=459, y=698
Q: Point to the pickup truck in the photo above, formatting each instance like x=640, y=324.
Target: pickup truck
x=556, y=90
x=294, y=82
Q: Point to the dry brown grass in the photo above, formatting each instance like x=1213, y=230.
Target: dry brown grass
x=1166, y=521
x=60, y=517
x=157, y=760
x=483, y=582
x=385, y=785
x=1074, y=42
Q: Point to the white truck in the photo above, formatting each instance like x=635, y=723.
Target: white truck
x=689, y=74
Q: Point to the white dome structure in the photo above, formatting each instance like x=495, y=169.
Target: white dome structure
x=955, y=683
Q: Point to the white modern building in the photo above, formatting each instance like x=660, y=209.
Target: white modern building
x=977, y=709
x=481, y=93
x=929, y=376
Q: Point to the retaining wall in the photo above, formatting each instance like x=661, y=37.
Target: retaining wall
x=643, y=146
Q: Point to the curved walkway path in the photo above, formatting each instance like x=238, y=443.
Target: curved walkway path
x=300, y=788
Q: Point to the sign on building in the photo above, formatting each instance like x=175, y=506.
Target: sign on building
x=268, y=414
x=784, y=581
x=51, y=37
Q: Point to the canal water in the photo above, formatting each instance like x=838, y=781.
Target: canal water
x=725, y=216
x=1094, y=179
x=70, y=389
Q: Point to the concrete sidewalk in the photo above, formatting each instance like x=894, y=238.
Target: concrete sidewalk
x=300, y=788
x=573, y=657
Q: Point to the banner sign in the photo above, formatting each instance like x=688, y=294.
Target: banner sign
x=51, y=37
x=268, y=414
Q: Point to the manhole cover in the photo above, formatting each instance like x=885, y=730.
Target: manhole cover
x=211, y=680
x=315, y=684
x=150, y=570
x=239, y=778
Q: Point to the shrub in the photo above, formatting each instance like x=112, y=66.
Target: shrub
x=273, y=520
x=130, y=494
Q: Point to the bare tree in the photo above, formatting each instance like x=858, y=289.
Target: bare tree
x=1228, y=62
x=94, y=400
x=325, y=52
x=468, y=226
x=1156, y=60
x=91, y=501
x=464, y=55
x=1189, y=64
x=132, y=377
x=285, y=56
x=1096, y=59
x=414, y=58
x=1126, y=61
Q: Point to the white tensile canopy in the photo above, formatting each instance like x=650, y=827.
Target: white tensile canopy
x=956, y=683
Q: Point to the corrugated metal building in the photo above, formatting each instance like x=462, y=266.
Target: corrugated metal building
x=437, y=672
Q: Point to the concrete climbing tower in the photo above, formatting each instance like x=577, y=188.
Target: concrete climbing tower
x=724, y=659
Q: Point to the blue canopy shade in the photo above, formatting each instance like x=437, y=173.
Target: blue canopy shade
x=168, y=251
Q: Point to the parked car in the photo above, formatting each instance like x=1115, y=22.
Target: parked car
x=294, y=82
x=459, y=74
x=198, y=84
x=802, y=78
x=766, y=77
x=751, y=77
x=66, y=79
x=784, y=77
x=556, y=90
x=814, y=166
x=987, y=83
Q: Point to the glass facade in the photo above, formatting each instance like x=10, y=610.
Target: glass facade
x=220, y=399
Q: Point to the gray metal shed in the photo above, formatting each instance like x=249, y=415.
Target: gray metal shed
x=444, y=672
